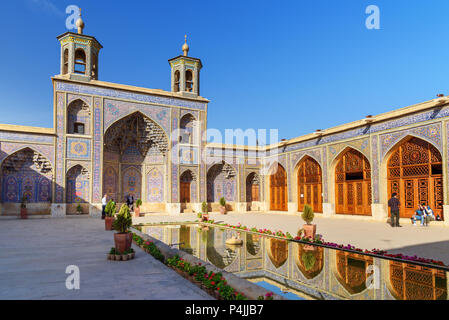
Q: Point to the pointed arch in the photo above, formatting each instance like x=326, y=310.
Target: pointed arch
x=135, y=128
x=413, y=168
x=401, y=279
x=187, y=125
x=352, y=179
x=350, y=271
x=221, y=182
x=309, y=184
x=28, y=174
x=77, y=185
x=78, y=117
x=278, y=187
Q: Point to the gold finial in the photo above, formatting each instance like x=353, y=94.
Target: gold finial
x=80, y=24
x=185, y=47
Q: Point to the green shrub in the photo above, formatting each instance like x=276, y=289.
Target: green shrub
x=79, y=209
x=110, y=209
x=138, y=203
x=123, y=220
x=222, y=202
x=308, y=214
x=204, y=207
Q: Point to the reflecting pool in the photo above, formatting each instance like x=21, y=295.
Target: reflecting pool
x=303, y=271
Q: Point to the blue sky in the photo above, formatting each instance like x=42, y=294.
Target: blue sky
x=292, y=65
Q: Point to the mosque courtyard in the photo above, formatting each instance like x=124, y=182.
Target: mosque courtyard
x=37, y=251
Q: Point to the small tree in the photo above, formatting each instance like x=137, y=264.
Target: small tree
x=138, y=203
x=204, y=208
x=222, y=202
x=123, y=220
x=309, y=259
x=308, y=214
x=110, y=209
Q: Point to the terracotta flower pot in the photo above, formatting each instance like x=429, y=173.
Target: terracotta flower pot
x=23, y=213
x=125, y=257
x=222, y=209
x=108, y=221
x=309, y=230
x=117, y=257
x=122, y=242
x=137, y=212
x=129, y=240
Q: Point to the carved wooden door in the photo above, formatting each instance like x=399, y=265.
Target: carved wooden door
x=278, y=189
x=353, y=184
x=309, y=185
x=415, y=174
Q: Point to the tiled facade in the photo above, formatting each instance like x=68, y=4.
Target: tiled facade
x=155, y=176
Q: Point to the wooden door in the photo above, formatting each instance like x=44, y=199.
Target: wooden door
x=415, y=174
x=353, y=184
x=309, y=185
x=185, y=192
x=278, y=189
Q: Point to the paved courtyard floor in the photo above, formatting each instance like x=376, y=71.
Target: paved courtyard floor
x=429, y=242
x=35, y=253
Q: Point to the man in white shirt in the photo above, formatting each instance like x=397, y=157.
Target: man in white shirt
x=104, y=202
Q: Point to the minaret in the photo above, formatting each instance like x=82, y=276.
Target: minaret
x=79, y=54
x=185, y=73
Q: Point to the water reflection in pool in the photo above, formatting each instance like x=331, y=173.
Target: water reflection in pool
x=319, y=272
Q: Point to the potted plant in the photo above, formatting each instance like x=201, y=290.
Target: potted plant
x=204, y=209
x=309, y=228
x=110, y=212
x=137, y=208
x=23, y=208
x=79, y=209
x=123, y=221
x=222, y=205
x=111, y=254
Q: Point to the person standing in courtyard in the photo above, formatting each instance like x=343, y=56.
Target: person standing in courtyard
x=394, y=204
x=103, y=206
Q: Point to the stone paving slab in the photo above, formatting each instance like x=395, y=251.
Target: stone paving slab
x=428, y=242
x=35, y=253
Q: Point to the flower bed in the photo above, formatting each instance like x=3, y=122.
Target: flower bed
x=213, y=283
x=319, y=240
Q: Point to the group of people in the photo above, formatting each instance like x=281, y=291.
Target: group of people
x=423, y=213
x=104, y=201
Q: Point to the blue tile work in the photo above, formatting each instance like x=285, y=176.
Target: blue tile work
x=375, y=169
x=430, y=133
x=114, y=110
x=96, y=184
x=59, y=192
x=188, y=155
x=122, y=94
x=325, y=190
x=78, y=148
x=8, y=148
x=26, y=137
x=435, y=113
